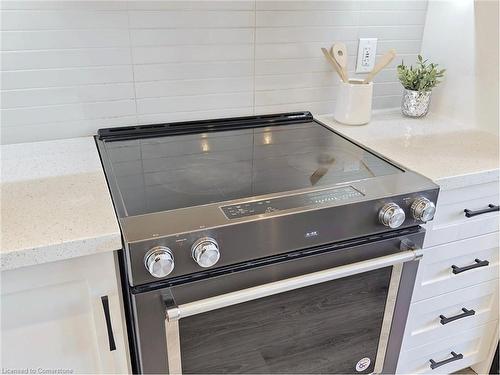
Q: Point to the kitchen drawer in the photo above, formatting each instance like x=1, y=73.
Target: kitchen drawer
x=437, y=235
x=473, y=344
x=435, y=275
x=450, y=222
x=468, y=193
x=424, y=322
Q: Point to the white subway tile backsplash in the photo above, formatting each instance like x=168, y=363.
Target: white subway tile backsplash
x=152, y=55
x=301, y=95
x=193, y=70
x=404, y=32
x=308, y=5
x=65, y=95
x=402, y=47
x=62, y=20
x=152, y=89
x=299, y=65
x=67, y=112
x=387, y=88
x=192, y=5
x=68, y=5
x=306, y=18
x=71, y=67
x=66, y=58
x=287, y=81
x=21, y=79
x=190, y=19
x=400, y=17
x=158, y=37
x=59, y=39
x=59, y=130
x=393, y=5
x=380, y=102
x=194, y=103
x=306, y=34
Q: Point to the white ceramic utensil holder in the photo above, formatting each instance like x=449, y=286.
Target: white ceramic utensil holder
x=354, y=102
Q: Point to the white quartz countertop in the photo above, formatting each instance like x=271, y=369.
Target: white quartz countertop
x=451, y=154
x=55, y=203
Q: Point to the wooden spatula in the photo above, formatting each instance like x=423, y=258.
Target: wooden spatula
x=334, y=63
x=382, y=63
x=339, y=53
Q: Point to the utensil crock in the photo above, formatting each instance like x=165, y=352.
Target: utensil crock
x=354, y=102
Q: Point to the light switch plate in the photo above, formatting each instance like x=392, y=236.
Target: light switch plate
x=367, y=50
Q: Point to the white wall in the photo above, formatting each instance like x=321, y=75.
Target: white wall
x=462, y=36
x=71, y=67
x=487, y=67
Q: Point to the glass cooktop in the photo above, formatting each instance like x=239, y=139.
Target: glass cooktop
x=176, y=171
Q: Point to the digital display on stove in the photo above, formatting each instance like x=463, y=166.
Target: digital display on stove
x=237, y=211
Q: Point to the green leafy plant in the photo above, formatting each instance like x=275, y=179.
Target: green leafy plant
x=424, y=77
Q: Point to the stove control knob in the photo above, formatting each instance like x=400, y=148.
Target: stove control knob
x=159, y=261
x=391, y=215
x=205, y=252
x=422, y=209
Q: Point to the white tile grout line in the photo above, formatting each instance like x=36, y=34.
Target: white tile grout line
x=254, y=54
x=132, y=63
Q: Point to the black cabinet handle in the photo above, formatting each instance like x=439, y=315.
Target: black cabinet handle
x=109, y=327
x=445, y=320
x=479, y=263
x=491, y=208
x=455, y=357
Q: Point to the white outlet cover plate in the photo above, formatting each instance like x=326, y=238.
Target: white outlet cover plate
x=367, y=51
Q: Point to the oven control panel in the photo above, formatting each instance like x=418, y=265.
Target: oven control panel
x=237, y=211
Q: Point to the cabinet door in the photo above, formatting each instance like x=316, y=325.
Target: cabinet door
x=53, y=317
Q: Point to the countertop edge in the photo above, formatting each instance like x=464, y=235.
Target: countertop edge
x=20, y=258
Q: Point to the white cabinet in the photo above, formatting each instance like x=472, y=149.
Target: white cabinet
x=457, y=277
x=54, y=317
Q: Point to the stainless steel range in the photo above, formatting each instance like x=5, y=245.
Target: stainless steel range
x=263, y=244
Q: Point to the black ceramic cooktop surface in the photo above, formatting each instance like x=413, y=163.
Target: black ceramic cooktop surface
x=170, y=172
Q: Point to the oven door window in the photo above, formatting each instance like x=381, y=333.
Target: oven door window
x=332, y=327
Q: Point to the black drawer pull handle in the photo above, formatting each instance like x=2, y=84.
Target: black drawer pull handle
x=479, y=263
x=491, y=208
x=109, y=327
x=455, y=357
x=445, y=320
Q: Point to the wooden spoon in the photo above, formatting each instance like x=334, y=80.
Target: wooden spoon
x=334, y=63
x=382, y=63
x=339, y=53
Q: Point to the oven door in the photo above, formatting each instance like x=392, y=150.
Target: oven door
x=345, y=319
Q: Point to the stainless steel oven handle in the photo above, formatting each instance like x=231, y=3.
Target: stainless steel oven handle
x=249, y=294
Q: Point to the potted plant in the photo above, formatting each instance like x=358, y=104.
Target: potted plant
x=418, y=83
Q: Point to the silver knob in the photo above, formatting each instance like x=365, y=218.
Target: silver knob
x=391, y=215
x=423, y=209
x=205, y=252
x=159, y=261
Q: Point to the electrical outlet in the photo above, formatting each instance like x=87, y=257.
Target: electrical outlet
x=367, y=50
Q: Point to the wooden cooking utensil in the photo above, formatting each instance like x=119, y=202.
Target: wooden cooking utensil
x=334, y=63
x=382, y=63
x=339, y=53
